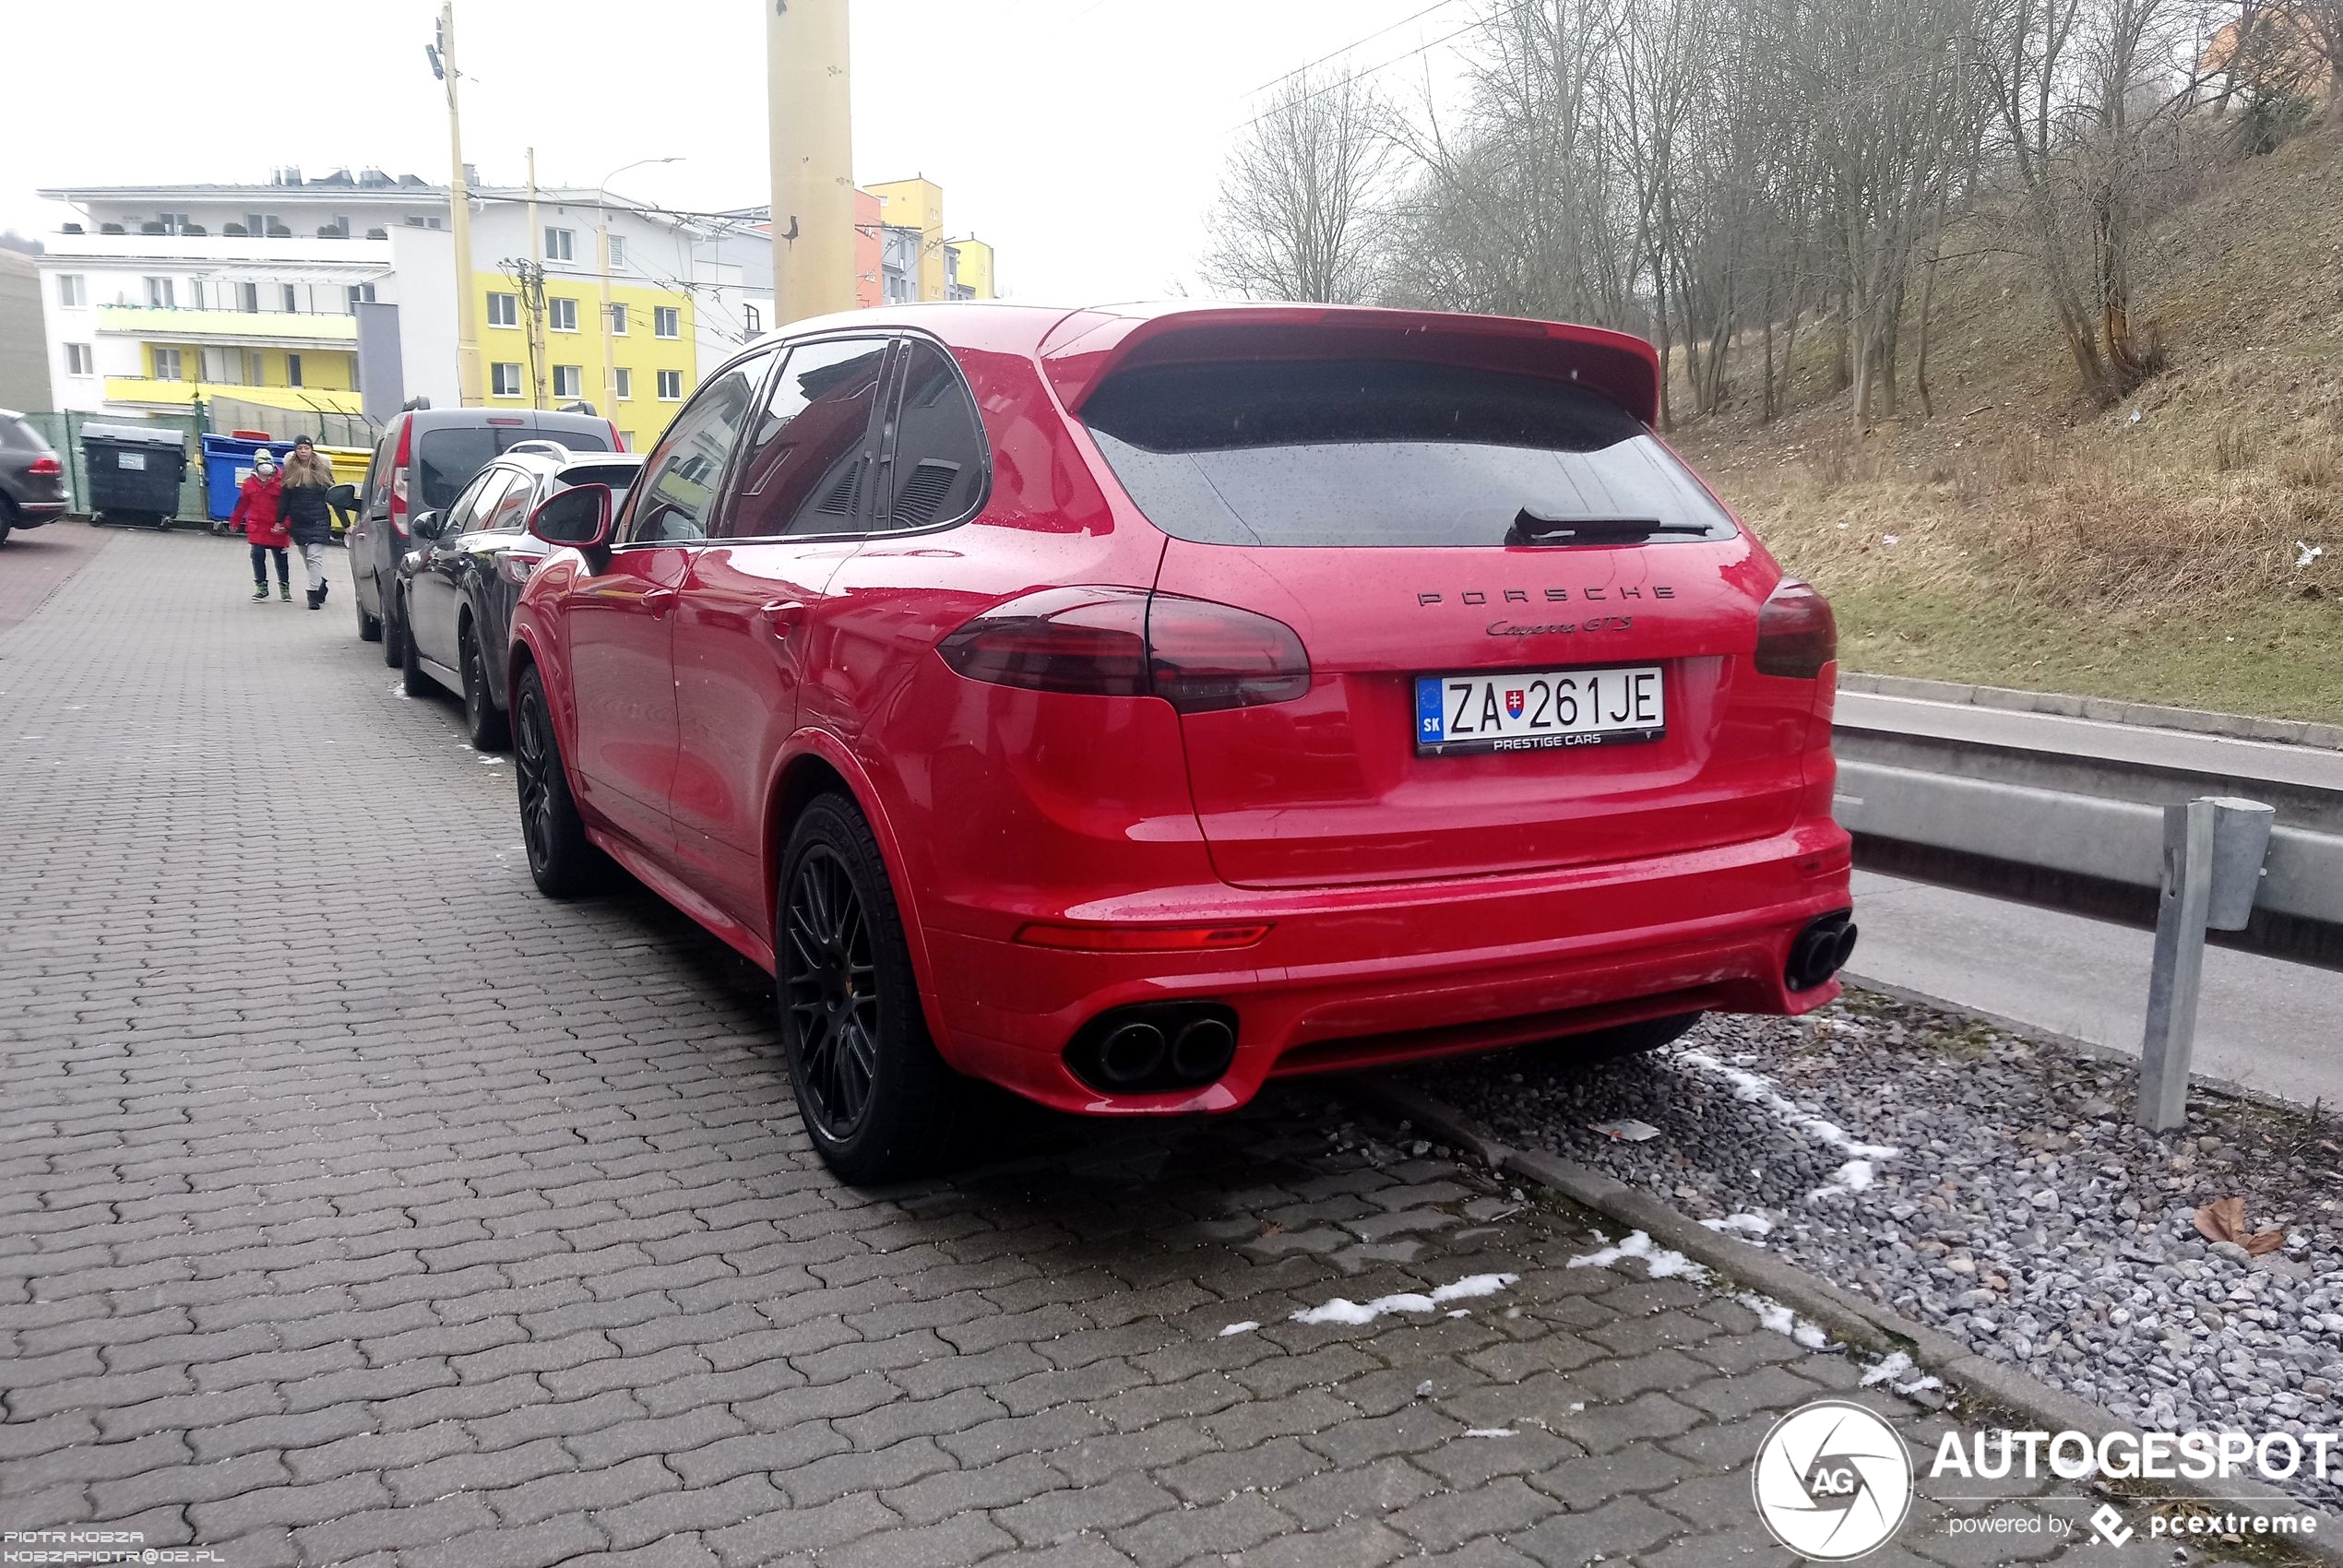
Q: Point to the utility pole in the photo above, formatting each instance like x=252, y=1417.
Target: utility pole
x=459, y=218
x=809, y=101
x=536, y=320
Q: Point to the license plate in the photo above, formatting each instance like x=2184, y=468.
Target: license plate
x=1526, y=710
x=130, y=459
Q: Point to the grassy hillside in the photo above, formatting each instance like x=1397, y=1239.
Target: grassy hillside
x=2021, y=537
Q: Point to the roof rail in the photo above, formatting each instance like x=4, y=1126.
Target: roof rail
x=551, y=448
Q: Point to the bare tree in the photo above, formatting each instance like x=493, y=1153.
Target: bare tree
x=1301, y=211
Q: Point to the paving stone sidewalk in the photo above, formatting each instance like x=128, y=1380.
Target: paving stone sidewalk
x=359, y=1206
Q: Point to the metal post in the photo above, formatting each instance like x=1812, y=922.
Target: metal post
x=2213, y=853
x=460, y=220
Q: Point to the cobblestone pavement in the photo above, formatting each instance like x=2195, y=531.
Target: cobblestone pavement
x=361, y=1206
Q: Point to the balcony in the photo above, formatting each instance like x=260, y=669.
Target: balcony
x=363, y=259
x=256, y=330
x=148, y=392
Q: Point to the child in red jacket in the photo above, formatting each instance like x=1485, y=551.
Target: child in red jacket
x=258, y=509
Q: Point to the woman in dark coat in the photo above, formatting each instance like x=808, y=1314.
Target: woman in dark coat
x=308, y=477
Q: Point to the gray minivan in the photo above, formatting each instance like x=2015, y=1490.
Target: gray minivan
x=423, y=461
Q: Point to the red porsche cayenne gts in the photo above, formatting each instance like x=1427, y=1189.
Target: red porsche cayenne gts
x=1129, y=705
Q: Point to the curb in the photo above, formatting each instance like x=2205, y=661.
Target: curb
x=2155, y=715
x=1844, y=1313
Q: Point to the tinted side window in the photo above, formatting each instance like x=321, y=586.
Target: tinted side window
x=937, y=474
x=378, y=469
x=804, y=470
x=475, y=498
x=678, y=489
x=505, y=513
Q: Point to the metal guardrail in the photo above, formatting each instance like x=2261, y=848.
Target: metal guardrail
x=2071, y=850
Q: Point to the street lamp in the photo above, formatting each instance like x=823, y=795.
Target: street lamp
x=602, y=243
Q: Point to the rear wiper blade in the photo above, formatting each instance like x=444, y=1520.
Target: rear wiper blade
x=1530, y=528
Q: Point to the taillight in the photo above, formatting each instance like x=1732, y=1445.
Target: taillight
x=617, y=442
x=1796, y=631
x=398, y=477
x=1126, y=642
x=515, y=565
x=45, y=468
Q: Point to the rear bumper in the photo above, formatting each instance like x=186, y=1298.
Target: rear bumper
x=1362, y=977
x=33, y=513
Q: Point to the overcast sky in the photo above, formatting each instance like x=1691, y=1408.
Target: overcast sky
x=1083, y=138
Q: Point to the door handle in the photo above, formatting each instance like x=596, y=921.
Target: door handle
x=782, y=615
x=660, y=600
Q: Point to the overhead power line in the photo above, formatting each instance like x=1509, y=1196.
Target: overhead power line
x=1336, y=53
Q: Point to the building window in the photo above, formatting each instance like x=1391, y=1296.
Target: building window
x=166, y=364
x=248, y=297
x=174, y=222
x=671, y=385
x=618, y=320
x=560, y=244
x=752, y=320
x=292, y=371
x=504, y=310
x=195, y=294
x=617, y=252
x=70, y=290
x=504, y=380
x=562, y=314
x=667, y=320
x=361, y=293
x=623, y=380
x=160, y=294
x=255, y=369
x=80, y=361
x=568, y=380
x=291, y=299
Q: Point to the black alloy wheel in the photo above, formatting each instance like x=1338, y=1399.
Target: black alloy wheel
x=489, y=728
x=876, y=1098
x=560, y=858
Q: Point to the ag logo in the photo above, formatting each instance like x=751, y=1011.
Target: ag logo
x=1833, y=1481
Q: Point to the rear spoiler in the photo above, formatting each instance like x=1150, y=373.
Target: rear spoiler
x=1089, y=345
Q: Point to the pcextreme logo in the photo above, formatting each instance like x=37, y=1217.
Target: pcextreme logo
x=1833, y=1481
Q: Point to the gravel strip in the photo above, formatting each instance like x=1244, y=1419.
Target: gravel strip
x=1990, y=1185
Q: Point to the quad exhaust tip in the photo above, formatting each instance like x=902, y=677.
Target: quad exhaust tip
x=1821, y=950
x=1155, y=1048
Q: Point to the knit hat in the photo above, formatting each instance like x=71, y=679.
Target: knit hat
x=301, y=441
x=263, y=459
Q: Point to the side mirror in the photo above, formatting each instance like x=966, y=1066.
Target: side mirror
x=342, y=498
x=579, y=516
x=427, y=525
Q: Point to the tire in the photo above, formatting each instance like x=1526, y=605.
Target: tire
x=561, y=860
x=1622, y=1040
x=483, y=720
x=394, y=630
x=877, y=1099
x=410, y=663
x=4, y=533
x=370, y=627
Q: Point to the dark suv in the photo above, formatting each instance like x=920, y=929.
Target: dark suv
x=32, y=479
x=455, y=589
x=422, y=462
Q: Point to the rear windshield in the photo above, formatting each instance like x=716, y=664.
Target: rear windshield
x=1388, y=452
x=447, y=459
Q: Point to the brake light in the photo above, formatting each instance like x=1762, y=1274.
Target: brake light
x=1125, y=642
x=617, y=442
x=45, y=468
x=398, y=477
x=515, y=565
x=1797, y=634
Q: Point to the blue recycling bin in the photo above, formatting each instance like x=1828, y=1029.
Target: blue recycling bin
x=227, y=462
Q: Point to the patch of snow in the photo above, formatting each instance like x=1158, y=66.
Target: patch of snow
x=1492, y=1431
x=1853, y=1176
x=1660, y=1262
x=1460, y=1312
x=1892, y=1367
x=1342, y=1310
x=1773, y=1316
x=1751, y=1224
x=1245, y=1328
